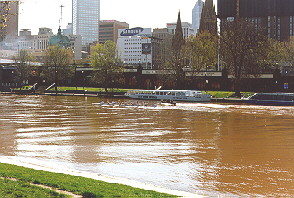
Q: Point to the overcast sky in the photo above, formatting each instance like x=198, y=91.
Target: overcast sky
x=146, y=13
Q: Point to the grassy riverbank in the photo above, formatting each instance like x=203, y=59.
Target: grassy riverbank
x=216, y=94
x=16, y=181
x=227, y=94
x=89, y=89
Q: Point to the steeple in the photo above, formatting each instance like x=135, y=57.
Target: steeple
x=178, y=38
x=208, y=20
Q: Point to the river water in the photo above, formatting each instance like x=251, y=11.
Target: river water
x=206, y=149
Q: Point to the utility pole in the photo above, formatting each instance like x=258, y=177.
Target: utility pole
x=237, y=9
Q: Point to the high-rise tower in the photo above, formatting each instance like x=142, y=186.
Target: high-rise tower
x=196, y=15
x=85, y=18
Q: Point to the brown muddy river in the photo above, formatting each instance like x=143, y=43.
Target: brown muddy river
x=206, y=149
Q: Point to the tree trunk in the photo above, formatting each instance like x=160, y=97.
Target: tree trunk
x=238, y=88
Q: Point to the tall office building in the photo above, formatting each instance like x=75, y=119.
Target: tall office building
x=196, y=15
x=108, y=30
x=274, y=17
x=85, y=18
x=161, y=47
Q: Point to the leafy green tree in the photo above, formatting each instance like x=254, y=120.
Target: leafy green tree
x=23, y=65
x=288, y=53
x=56, y=64
x=276, y=54
x=244, y=50
x=4, y=10
x=104, y=58
x=202, y=49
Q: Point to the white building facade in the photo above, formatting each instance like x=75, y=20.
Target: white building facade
x=40, y=42
x=186, y=27
x=196, y=15
x=134, y=46
x=85, y=19
x=35, y=43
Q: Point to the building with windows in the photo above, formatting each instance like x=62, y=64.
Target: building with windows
x=187, y=29
x=68, y=30
x=161, y=47
x=41, y=41
x=108, y=30
x=196, y=15
x=85, y=19
x=134, y=47
x=37, y=44
x=274, y=17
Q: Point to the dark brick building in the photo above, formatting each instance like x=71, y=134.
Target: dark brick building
x=274, y=17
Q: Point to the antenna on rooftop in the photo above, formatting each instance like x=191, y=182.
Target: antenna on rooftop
x=60, y=20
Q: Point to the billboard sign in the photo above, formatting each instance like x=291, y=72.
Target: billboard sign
x=146, y=48
x=131, y=32
x=142, y=32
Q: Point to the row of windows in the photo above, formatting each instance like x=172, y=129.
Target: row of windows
x=291, y=25
x=106, y=33
x=129, y=40
x=105, y=29
x=138, y=52
x=110, y=26
x=135, y=59
x=133, y=43
x=133, y=48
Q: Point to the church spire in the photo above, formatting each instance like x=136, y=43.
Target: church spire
x=208, y=20
x=178, y=38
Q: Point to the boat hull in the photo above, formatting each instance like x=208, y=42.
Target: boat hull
x=272, y=99
x=270, y=103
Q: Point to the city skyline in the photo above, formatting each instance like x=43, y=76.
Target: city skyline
x=44, y=13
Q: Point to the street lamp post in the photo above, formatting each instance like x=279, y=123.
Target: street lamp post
x=56, y=78
x=83, y=80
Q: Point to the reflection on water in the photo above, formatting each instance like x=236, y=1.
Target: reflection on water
x=209, y=149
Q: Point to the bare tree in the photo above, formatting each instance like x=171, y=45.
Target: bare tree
x=23, y=65
x=244, y=50
x=56, y=63
x=178, y=57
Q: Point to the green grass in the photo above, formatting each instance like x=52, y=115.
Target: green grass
x=24, y=88
x=90, y=89
x=215, y=94
x=78, y=185
x=225, y=94
x=10, y=188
